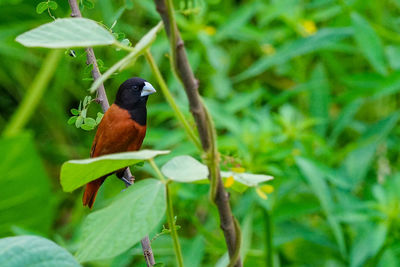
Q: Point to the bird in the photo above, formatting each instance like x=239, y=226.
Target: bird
x=122, y=128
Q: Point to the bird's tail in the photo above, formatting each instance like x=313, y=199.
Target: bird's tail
x=90, y=193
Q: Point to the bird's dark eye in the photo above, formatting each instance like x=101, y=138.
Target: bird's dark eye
x=135, y=87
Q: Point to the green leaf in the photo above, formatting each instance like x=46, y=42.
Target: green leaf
x=99, y=117
x=116, y=228
x=139, y=49
x=344, y=119
x=31, y=251
x=52, y=5
x=393, y=55
x=358, y=161
x=88, y=3
x=315, y=177
x=185, y=169
x=367, y=244
x=26, y=198
x=321, y=40
x=66, y=33
x=90, y=122
x=369, y=43
x=41, y=7
x=75, y=173
x=87, y=127
x=74, y=111
x=72, y=120
x=247, y=179
x=79, y=121
x=319, y=99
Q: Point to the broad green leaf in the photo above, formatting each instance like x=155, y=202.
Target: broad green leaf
x=139, y=49
x=369, y=43
x=315, y=177
x=116, y=228
x=185, y=169
x=25, y=192
x=32, y=251
x=367, y=244
x=319, y=99
x=321, y=40
x=75, y=173
x=66, y=33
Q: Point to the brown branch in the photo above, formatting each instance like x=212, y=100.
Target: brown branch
x=103, y=101
x=205, y=128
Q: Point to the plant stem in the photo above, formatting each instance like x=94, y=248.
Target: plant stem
x=34, y=94
x=205, y=128
x=103, y=101
x=170, y=214
x=171, y=101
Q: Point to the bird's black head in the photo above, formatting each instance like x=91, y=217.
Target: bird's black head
x=133, y=92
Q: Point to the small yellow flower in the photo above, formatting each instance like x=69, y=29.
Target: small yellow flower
x=267, y=188
x=229, y=182
x=263, y=190
x=261, y=194
x=309, y=27
x=238, y=169
x=268, y=49
x=210, y=30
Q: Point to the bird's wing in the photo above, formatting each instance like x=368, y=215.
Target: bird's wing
x=117, y=132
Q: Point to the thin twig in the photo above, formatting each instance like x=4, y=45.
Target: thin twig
x=103, y=101
x=205, y=128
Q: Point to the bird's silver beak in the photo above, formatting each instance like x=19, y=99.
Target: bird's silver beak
x=148, y=89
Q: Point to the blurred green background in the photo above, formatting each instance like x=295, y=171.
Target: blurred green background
x=306, y=91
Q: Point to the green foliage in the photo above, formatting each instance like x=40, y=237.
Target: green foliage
x=33, y=251
x=75, y=173
x=131, y=216
x=26, y=197
x=305, y=91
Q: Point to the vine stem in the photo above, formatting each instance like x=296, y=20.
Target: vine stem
x=205, y=128
x=170, y=214
x=103, y=101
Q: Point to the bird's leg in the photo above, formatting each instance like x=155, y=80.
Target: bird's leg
x=129, y=181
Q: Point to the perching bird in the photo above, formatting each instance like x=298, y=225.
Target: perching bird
x=122, y=128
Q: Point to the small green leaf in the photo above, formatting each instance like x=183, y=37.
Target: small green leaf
x=99, y=117
x=72, y=120
x=67, y=33
x=52, y=5
x=88, y=3
x=74, y=111
x=29, y=250
x=41, y=7
x=90, y=122
x=79, y=122
x=131, y=216
x=75, y=173
x=83, y=113
x=87, y=127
